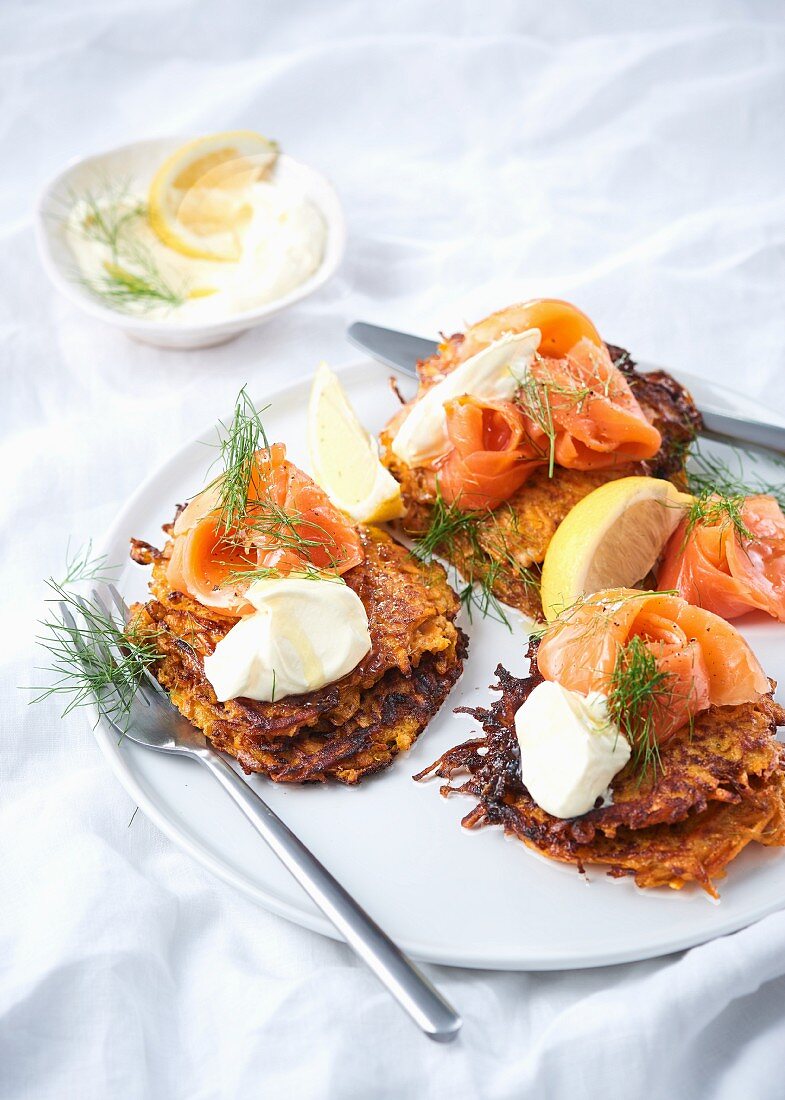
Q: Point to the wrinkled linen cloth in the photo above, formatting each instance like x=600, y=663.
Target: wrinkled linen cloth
x=628, y=157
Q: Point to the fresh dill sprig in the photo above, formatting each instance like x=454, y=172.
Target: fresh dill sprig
x=81, y=565
x=269, y=572
x=269, y=521
x=446, y=524
x=248, y=517
x=238, y=443
x=717, y=509
x=129, y=292
x=93, y=660
x=450, y=529
x=109, y=214
x=709, y=473
x=478, y=593
x=639, y=692
x=535, y=396
x=496, y=543
x=131, y=280
x=635, y=685
x=535, y=401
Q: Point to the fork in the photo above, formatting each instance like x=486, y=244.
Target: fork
x=156, y=724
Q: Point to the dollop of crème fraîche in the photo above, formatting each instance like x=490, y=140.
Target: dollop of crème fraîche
x=305, y=633
x=570, y=748
x=281, y=244
x=494, y=374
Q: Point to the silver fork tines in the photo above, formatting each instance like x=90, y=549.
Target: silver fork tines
x=119, y=602
x=148, y=686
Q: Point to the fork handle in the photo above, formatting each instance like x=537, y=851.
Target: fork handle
x=411, y=989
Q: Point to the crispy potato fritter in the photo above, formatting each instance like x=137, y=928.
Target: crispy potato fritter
x=720, y=786
x=510, y=543
x=348, y=729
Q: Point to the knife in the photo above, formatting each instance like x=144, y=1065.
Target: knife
x=401, y=351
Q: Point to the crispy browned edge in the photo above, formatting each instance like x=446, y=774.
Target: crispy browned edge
x=721, y=786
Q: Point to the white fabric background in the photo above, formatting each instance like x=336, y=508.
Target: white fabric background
x=629, y=157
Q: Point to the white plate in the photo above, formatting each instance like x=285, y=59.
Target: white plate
x=136, y=164
x=445, y=894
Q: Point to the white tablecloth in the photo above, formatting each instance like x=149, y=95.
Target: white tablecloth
x=628, y=157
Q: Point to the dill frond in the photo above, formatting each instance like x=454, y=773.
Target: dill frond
x=132, y=293
x=447, y=523
x=285, y=529
x=246, y=523
x=452, y=529
x=709, y=473
x=238, y=443
x=497, y=544
x=639, y=692
x=717, y=509
x=535, y=396
x=131, y=282
x=109, y=214
x=95, y=660
x=268, y=572
x=482, y=595
x=81, y=565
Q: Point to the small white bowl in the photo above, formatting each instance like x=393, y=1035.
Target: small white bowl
x=137, y=163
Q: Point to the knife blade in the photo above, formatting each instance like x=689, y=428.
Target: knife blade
x=402, y=350
x=399, y=350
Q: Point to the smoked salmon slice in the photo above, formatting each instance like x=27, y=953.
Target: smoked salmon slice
x=574, y=408
x=730, y=568
x=577, y=411
x=288, y=525
x=596, y=419
x=561, y=324
x=704, y=660
x=492, y=453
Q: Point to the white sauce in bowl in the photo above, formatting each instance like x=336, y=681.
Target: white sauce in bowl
x=283, y=244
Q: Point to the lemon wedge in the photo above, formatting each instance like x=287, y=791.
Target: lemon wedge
x=345, y=457
x=610, y=539
x=196, y=203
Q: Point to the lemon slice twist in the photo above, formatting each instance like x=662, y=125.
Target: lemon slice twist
x=197, y=200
